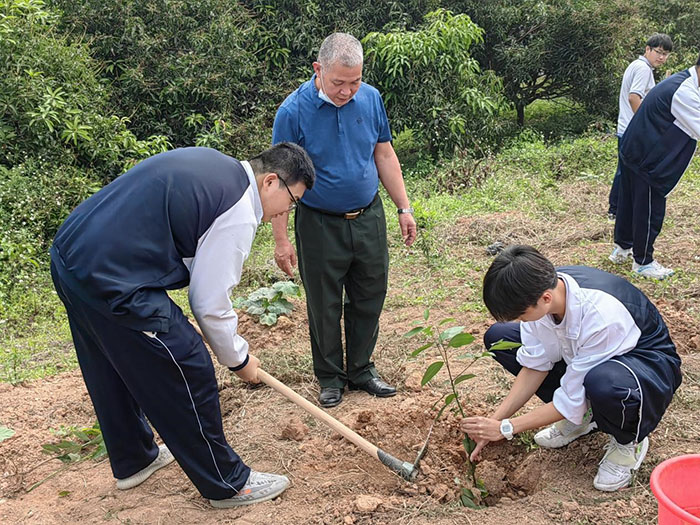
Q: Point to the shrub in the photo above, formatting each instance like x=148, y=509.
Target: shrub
x=429, y=81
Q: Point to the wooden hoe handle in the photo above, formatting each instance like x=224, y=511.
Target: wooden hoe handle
x=404, y=469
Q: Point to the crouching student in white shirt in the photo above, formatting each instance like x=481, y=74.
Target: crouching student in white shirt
x=594, y=349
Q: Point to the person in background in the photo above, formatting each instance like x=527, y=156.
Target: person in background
x=636, y=83
x=656, y=149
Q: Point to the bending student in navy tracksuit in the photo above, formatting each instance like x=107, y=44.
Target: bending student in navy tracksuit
x=656, y=149
x=594, y=349
x=185, y=217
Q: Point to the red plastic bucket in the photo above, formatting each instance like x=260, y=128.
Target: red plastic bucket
x=676, y=485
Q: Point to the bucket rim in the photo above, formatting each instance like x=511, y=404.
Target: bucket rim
x=662, y=497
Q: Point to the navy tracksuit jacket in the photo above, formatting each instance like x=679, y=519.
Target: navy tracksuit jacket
x=184, y=217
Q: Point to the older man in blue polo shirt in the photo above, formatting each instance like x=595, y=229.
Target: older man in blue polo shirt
x=340, y=226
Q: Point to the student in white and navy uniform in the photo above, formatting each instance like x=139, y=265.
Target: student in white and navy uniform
x=184, y=217
x=594, y=349
x=637, y=81
x=656, y=150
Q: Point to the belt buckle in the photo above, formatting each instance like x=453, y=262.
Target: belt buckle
x=353, y=215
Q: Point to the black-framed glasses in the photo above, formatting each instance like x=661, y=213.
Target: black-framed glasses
x=293, y=205
x=661, y=52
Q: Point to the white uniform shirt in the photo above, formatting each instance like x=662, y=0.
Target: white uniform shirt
x=595, y=328
x=216, y=269
x=638, y=79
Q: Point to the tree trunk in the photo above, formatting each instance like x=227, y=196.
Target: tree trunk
x=520, y=108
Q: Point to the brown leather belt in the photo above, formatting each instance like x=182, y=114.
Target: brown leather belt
x=348, y=215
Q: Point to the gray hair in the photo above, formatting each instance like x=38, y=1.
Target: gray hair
x=340, y=48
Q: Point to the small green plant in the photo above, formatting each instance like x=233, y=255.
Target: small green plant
x=444, y=340
x=267, y=304
x=426, y=220
x=74, y=445
x=5, y=433
x=77, y=444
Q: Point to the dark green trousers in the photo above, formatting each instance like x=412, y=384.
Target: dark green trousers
x=338, y=255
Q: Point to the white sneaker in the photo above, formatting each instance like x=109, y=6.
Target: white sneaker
x=620, y=255
x=653, y=270
x=619, y=464
x=564, y=432
x=163, y=458
x=260, y=487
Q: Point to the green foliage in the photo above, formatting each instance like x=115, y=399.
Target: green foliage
x=426, y=221
x=267, y=304
x=171, y=59
x=77, y=444
x=443, y=340
x=58, y=143
x=429, y=81
x=546, y=50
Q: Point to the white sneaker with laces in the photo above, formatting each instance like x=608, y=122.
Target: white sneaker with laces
x=163, y=458
x=564, y=432
x=260, y=487
x=653, y=270
x=620, y=255
x=619, y=464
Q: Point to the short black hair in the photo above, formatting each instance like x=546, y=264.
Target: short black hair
x=289, y=161
x=516, y=280
x=660, y=40
x=698, y=62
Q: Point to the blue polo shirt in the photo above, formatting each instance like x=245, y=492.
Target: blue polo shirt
x=340, y=142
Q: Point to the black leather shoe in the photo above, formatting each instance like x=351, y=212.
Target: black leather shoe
x=376, y=387
x=330, y=397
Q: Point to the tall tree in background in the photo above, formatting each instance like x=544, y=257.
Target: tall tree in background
x=547, y=50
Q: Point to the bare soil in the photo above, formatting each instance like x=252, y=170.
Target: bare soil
x=333, y=481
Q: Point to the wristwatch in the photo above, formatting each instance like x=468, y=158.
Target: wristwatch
x=405, y=210
x=507, y=429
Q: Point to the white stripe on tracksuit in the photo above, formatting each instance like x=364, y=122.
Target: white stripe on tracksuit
x=152, y=335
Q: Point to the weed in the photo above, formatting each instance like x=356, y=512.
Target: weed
x=268, y=303
x=75, y=445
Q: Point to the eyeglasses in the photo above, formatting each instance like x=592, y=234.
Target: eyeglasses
x=661, y=52
x=293, y=204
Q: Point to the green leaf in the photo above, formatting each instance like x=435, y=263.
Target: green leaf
x=262, y=293
x=268, y=319
x=431, y=371
x=464, y=377
x=63, y=493
x=445, y=321
x=466, y=502
x=461, y=340
x=414, y=331
x=419, y=350
x=426, y=313
x=450, y=333
x=469, y=445
x=450, y=398
x=286, y=287
x=6, y=433
x=239, y=302
x=255, y=310
x=505, y=345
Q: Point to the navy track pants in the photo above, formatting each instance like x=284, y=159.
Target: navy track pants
x=640, y=215
x=628, y=393
x=165, y=377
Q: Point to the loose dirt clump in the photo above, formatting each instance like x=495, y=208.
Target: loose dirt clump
x=295, y=430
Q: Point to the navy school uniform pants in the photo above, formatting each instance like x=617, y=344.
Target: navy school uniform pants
x=628, y=393
x=640, y=215
x=165, y=377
